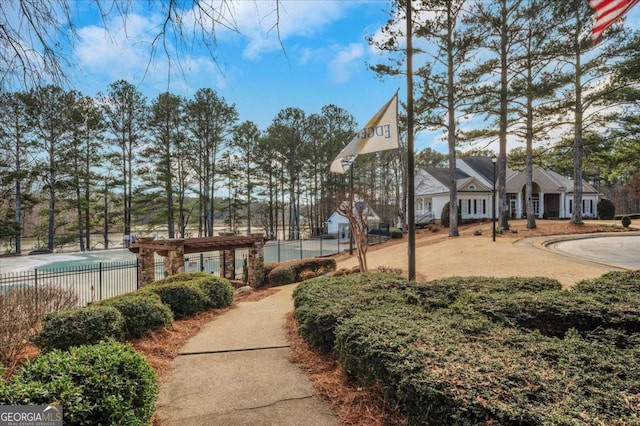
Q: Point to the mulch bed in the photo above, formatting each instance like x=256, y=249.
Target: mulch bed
x=354, y=404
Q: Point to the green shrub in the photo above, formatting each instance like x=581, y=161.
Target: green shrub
x=218, y=290
x=183, y=297
x=444, y=216
x=108, y=383
x=395, y=233
x=626, y=221
x=282, y=275
x=613, y=286
x=74, y=327
x=298, y=270
x=606, y=209
x=551, y=313
x=182, y=277
x=477, y=350
x=142, y=312
x=323, y=303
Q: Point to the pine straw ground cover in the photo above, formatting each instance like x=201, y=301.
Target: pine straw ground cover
x=355, y=404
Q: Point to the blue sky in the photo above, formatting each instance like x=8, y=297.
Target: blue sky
x=321, y=58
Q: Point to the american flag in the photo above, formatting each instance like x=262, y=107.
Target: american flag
x=608, y=12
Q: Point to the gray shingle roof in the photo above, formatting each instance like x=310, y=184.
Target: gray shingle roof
x=482, y=165
x=442, y=174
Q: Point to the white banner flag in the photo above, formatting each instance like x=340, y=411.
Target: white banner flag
x=380, y=133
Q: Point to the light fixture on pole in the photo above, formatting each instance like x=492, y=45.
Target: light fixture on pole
x=494, y=160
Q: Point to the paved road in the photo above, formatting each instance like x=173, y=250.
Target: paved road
x=621, y=251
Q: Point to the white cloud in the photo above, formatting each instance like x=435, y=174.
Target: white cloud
x=347, y=59
x=267, y=27
x=116, y=52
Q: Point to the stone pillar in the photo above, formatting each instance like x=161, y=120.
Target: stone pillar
x=227, y=260
x=228, y=264
x=174, y=262
x=256, y=264
x=145, y=258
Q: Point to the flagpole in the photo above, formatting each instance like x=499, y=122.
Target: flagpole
x=410, y=160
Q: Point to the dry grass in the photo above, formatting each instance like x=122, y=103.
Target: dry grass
x=21, y=312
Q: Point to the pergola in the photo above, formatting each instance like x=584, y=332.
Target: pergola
x=173, y=251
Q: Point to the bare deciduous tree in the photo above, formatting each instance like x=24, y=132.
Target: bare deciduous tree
x=357, y=217
x=35, y=35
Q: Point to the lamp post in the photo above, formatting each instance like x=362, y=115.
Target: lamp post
x=494, y=160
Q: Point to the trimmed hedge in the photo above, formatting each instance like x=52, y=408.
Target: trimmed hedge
x=218, y=290
x=184, y=298
x=613, y=286
x=132, y=315
x=182, y=277
x=460, y=370
x=606, y=209
x=299, y=270
x=323, y=303
x=554, y=313
x=142, y=312
x=468, y=351
x=395, y=233
x=281, y=276
x=79, y=326
x=108, y=383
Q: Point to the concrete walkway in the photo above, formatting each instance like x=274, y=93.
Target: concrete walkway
x=235, y=371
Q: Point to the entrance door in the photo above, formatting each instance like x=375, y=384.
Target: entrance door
x=552, y=205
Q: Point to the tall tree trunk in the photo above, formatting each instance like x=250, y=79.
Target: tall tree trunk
x=578, y=143
x=79, y=217
x=271, y=198
x=248, y=199
x=18, y=202
x=282, y=191
x=504, y=101
x=52, y=217
x=125, y=189
x=451, y=137
x=531, y=219
x=105, y=234
x=87, y=218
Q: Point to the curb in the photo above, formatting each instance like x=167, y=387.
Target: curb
x=545, y=243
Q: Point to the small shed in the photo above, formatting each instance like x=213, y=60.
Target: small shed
x=339, y=225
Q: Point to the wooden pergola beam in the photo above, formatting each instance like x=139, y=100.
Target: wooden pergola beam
x=174, y=250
